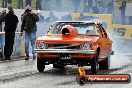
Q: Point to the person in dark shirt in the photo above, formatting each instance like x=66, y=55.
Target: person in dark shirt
x=11, y=21
x=29, y=26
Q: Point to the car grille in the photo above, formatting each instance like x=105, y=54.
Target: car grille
x=64, y=46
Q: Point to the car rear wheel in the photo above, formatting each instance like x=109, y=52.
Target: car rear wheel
x=94, y=65
x=105, y=65
x=55, y=65
x=40, y=64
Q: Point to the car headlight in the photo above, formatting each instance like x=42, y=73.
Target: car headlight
x=41, y=45
x=86, y=46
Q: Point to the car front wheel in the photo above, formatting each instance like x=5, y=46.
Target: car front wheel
x=40, y=64
x=105, y=65
x=94, y=65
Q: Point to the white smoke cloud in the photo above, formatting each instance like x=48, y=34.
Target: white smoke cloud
x=118, y=60
x=121, y=50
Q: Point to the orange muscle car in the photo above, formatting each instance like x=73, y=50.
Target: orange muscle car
x=80, y=43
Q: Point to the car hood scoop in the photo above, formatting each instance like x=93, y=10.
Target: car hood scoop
x=57, y=38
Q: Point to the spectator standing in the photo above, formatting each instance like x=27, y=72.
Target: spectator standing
x=95, y=9
x=0, y=22
x=66, y=18
x=41, y=17
x=80, y=18
x=58, y=5
x=9, y=2
x=28, y=2
x=38, y=5
x=29, y=26
x=2, y=15
x=130, y=20
x=4, y=3
x=23, y=15
x=110, y=7
x=122, y=8
x=47, y=5
x=87, y=5
x=20, y=4
x=11, y=21
x=51, y=18
x=101, y=6
x=76, y=4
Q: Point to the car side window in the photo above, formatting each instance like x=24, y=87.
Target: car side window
x=91, y=32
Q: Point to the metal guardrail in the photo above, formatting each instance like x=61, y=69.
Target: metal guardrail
x=18, y=45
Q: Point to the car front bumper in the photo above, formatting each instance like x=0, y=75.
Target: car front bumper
x=66, y=51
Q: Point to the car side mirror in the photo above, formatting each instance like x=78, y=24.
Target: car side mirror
x=49, y=33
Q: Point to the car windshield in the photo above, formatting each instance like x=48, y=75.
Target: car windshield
x=82, y=27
